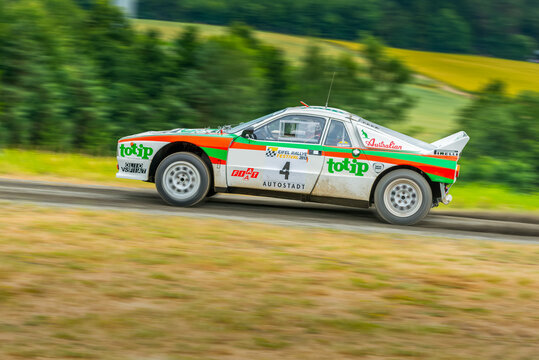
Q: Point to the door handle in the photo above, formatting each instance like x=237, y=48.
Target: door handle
x=315, y=152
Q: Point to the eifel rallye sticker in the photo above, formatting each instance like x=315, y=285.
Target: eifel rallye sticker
x=285, y=168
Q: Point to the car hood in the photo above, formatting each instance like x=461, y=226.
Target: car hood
x=178, y=131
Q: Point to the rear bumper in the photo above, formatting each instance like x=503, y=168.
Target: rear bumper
x=444, y=191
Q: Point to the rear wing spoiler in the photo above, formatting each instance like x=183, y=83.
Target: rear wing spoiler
x=451, y=143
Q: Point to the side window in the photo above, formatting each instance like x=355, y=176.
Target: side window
x=337, y=135
x=293, y=128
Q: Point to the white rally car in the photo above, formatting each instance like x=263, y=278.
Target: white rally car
x=311, y=153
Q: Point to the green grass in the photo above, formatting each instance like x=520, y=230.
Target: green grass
x=86, y=169
x=491, y=197
x=78, y=168
x=123, y=285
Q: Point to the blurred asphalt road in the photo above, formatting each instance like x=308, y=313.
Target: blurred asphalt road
x=500, y=227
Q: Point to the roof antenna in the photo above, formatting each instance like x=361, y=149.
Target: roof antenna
x=302, y=103
x=330, y=86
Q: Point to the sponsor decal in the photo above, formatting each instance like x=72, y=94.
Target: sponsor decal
x=382, y=145
x=134, y=168
x=250, y=173
x=283, y=185
x=378, y=167
x=353, y=167
x=364, y=134
x=286, y=168
x=285, y=171
x=141, y=151
x=289, y=154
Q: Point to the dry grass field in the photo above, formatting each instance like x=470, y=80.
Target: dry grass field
x=117, y=285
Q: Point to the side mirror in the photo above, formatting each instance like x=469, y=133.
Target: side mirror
x=249, y=133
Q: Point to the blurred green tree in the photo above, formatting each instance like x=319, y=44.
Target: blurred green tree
x=313, y=77
x=271, y=61
x=75, y=80
x=480, y=26
x=386, y=101
x=503, y=132
x=449, y=32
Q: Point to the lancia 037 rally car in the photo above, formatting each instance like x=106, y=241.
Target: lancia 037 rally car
x=309, y=153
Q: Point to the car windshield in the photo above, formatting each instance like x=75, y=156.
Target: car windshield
x=245, y=125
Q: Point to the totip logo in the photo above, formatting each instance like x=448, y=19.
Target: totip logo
x=353, y=167
x=141, y=151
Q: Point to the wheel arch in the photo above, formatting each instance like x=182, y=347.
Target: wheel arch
x=175, y=147
x=434, y=186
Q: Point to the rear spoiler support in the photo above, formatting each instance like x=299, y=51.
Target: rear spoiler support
x=455, y=142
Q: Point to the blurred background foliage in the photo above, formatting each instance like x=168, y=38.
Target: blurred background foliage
x=75, y=76
x=504, y=132
x=77, y=80
x=502, y=28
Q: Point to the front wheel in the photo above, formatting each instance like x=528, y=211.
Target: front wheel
x=402, y=197
x=182, y=179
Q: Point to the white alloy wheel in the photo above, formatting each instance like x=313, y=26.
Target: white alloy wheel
x=403, y=197
x=181, y=180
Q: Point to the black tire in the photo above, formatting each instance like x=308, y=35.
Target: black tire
x=402, y=197
x=182, y=179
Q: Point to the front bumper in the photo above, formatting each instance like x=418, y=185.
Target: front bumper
x=133, y=169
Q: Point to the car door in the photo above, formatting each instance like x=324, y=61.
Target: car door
x=346, y=173
x=284, y=156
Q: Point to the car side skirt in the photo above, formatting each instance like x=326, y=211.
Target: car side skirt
x=295, y=196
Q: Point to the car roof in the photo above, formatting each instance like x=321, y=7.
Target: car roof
x=322, y=111
x=340, y=114
x=333, y=113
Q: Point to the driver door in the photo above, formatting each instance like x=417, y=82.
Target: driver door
x=285, y=156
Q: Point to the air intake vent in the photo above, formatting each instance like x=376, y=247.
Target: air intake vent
x=446, y=152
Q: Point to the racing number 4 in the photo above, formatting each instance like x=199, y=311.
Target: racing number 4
x=285, y=170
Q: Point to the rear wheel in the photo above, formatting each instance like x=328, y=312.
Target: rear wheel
x=182, y=179
x=402, y=197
